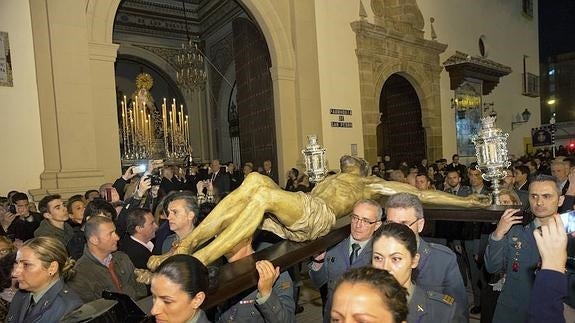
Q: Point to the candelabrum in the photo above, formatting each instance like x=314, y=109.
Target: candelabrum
x=176, y=131
x=491, y=151
x=137, y=131
x=138, y=139
x=314, y=157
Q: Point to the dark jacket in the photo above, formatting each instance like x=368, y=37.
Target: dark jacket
x=92, y=277
x=221, y=182
x=46, y=229
x=57, y=302
x=138, y=254
x=77, y=243
x=30, y=226
x=547, y=297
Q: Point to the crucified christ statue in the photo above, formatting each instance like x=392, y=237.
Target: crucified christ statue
x=295, y=216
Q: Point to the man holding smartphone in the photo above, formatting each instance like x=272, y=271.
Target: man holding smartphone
x=512, y=249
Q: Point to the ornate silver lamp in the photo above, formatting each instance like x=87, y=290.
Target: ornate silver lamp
x=314, y=158
x=491, y=151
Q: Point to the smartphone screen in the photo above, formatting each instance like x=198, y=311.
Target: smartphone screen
x=568, y=219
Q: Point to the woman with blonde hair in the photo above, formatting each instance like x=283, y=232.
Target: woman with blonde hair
x=41, y=269
x=509, y=197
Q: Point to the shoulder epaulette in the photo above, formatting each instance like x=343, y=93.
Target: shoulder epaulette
x=443, y=298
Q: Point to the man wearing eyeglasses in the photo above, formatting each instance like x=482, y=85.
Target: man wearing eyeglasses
x=437, y=270
x=354, y=251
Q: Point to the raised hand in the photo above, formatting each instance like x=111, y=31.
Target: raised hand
x=507, y=220
x=551, y=241
x=130, y=172
x=144, y=185
x=268, y=276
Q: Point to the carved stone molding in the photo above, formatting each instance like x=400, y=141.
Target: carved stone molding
x=402, y=16
x=166, y=53
x=461, y=66
x=386, y=50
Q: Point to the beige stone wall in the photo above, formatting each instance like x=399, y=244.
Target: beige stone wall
x=509, y=36
x=338, y=76
x=318, y=62
x=20, y=137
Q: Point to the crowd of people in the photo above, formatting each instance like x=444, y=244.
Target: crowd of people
x=71, y=252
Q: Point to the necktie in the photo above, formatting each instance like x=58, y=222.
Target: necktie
x=115, y=279
x=214, y=176
x=30, y=307
x=354, y=253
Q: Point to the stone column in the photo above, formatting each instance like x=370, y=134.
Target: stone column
x=66, y=95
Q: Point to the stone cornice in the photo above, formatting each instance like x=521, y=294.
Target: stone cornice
x=368, y=30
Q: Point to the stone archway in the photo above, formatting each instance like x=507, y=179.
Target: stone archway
x=395, y=44
x=100, y=20
x=75, y=58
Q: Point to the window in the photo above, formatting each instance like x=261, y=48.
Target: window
x=482, y=46
x=527, y=8
x=530, y=85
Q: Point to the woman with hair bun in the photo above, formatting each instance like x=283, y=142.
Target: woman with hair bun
x=41, y=269
x=395, y=250
x=178, y=289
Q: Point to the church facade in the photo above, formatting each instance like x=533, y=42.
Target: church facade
x=339, y=69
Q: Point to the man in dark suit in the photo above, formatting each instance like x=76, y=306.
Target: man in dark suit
x=353, y=252
x=437, y=269
x=521, y=174
x=30, y=220
x=141, y=228
x=560, y=170
x=269, y=172
x=220, y=179
x=455, y=165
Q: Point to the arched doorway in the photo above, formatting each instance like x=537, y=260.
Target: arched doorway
x=400, y=132
x=235, y=51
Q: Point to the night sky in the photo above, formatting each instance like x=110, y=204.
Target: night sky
x=556, y=27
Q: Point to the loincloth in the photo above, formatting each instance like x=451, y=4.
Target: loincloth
x=316, y=221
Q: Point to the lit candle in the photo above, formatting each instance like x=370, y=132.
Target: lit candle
x=150, y=132
x=171, y=131
x=143, y=110
x=180, y=126
x=182, y=118
x=131, y=129
x=136, y=115
x=174, y=111
x=165, y=126
x=187, y=132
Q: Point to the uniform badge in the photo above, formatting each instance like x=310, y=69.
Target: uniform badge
x=448, y=299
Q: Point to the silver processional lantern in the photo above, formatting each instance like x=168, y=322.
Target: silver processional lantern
x=314, y=158
x=491, y=151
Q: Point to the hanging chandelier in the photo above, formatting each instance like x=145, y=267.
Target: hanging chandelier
x=190, y=68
